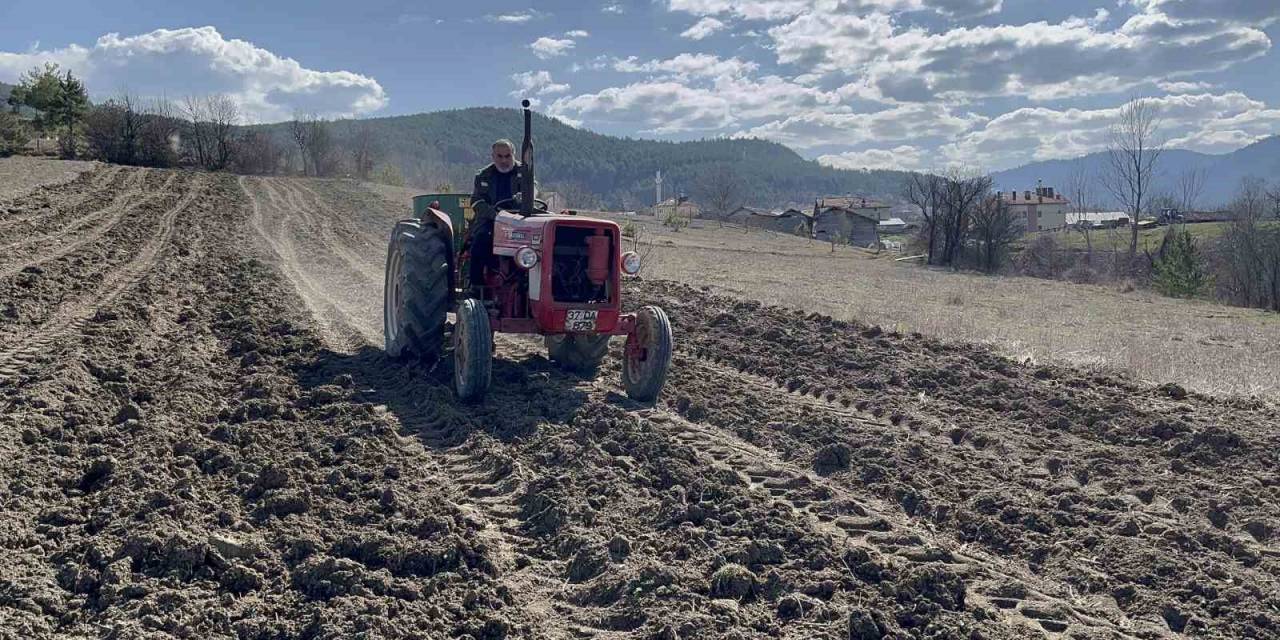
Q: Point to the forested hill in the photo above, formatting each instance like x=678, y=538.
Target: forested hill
x=449, y=146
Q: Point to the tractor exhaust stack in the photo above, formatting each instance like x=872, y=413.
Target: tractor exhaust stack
x=526, y=159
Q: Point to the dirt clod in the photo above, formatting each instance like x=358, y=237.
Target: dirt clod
x=589, y=562
x=832, y=458
x=98, y=472
x=862, y=626
x=732, y=581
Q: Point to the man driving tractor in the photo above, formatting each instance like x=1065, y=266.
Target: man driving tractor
x=533, y=272
x=495, y=183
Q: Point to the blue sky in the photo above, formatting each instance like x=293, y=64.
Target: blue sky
x=911, y=84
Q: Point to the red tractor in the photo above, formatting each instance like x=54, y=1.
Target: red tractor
x=556, y=275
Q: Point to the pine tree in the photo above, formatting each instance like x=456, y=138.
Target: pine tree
x=69, y=108
x=1180, y=272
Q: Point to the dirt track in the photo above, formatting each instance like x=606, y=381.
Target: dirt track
x=201, y=438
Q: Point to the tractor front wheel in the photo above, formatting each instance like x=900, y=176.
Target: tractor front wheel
x=648, y=355
x=580, y=354
x=472, y=351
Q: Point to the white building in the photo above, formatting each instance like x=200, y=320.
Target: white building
x=1041, y=209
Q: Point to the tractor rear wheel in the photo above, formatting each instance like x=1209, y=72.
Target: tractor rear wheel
x=416, y=291
x=472, y=351
x=580, y=354
x=648, y=355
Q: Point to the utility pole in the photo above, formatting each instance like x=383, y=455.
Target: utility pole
x=657, y=181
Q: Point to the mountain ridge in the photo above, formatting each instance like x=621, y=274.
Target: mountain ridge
x=450, y=146
x=1223, y=172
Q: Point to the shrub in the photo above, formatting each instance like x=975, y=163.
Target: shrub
x=1180, y=272
x=13, y=134
x=389, y=174
x=1043, y=257
x=629, y=230
x=119, y=132
x=675, y=221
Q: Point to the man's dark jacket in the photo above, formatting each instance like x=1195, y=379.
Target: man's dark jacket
x=485, y=193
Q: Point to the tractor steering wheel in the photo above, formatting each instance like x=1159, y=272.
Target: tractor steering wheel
x=513, y=205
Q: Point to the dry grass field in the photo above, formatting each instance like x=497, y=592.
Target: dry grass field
x=20, y=174
x=1207, y=347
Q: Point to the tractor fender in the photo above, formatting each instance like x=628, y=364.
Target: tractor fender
x=444, y=223
x=440, y=220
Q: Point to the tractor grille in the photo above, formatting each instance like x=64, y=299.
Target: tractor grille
x=569, y=261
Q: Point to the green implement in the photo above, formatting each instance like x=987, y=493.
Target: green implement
x=457, y=205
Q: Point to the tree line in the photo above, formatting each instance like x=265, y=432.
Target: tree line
x=208, y=132
x=966, y=226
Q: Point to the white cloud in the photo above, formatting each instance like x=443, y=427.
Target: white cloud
x=703, y=28
x=614, y=8
x=819, y=128
x=688, y=65
x=1204, y=122
x=577, y=33
x=196, y=61
x=901, y=158
x=536, y=83
x=519, y=17
x=1251, y=12
x=1039, y=60
x=667, y=106
x=784, y=9
x=1184, y=87
x=547, y=47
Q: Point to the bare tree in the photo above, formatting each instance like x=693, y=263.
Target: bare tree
x=125, y=130
x=1132, y=152
x=995, y=227
x=924, y=191
x=316, y=144
x=1250, y=251
x=962, y=191
x=1082, y=192
x=256, y=153
x=210, y=124
x=363, y=148
x=720, y=190
x=1274, y=196
x=158, y=141
x=1251, y=199
x=1190, y=186
x=299, y=132
x=197, y=133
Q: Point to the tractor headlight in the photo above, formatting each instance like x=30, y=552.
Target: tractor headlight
x=526, y=257
x=631, y=263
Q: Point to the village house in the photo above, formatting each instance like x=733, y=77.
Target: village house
x=1041, y=210
x=857, y=227
x=679, y=206
x=791, y=220
x=875, y=210
x=893, y=225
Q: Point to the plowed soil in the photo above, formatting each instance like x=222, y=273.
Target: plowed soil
x=200, y=437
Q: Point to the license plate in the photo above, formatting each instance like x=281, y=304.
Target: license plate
x=580, y=320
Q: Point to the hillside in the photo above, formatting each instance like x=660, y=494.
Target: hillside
x=449, y=146
x=1260, y=159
